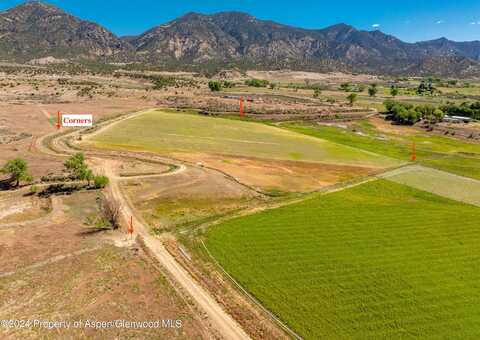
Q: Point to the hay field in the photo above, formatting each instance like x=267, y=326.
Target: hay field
x=164, y=132
x=376, y=261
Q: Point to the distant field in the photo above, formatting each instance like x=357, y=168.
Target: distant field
x=377, y=261
x=165, y=132
x=438, y=182
x=443, y=153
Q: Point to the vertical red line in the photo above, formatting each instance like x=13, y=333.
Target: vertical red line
x=241, y=107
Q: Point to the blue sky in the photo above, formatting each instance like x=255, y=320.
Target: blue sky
x=410, y=20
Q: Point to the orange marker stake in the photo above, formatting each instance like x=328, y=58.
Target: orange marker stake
x=130, y=227
x=58, y=120
x=414, y=152
x=241, y=107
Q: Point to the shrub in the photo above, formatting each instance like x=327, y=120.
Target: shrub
x=352, y=98
x=100, y=182
x=214, y=85
x=257, y=82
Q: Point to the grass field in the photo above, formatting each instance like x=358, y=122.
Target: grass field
x=443, y=153
x=376, y=261
x=438, y=182
x=169, y=132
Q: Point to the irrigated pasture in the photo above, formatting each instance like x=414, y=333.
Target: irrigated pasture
x=377, y=261
x=448, y=154
x=161, y=131
x=438, y=182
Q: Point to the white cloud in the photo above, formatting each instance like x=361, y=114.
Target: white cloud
x=376, y=25
x=440, y=22
x=475, y=23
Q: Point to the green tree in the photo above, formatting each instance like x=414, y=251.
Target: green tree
x=352, y=98
x=18, y=171
x=394, y=91
x=438, y=115
x=373, y=90
x=86, y=174
x=76, y=165
x=316, y=93
x=214, y=86
x=100, y=182
x=75, y=162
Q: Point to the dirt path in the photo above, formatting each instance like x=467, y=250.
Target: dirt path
x=220, y=320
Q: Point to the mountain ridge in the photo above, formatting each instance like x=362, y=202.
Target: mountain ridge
x=35, y=30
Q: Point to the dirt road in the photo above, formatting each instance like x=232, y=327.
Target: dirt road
x=220, y=320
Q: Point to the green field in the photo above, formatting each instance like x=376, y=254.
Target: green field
x=438, y=182
x=376, y=261
x=439, y=152
x=164, y=132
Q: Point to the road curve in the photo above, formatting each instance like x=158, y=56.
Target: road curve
x=220, y=320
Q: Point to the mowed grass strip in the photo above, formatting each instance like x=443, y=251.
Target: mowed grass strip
x=377, y=261
x=161, y=131
x=439, y=182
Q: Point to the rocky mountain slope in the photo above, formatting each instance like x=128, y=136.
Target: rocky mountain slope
x=34, y=30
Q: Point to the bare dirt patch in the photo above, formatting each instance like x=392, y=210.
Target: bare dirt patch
x=186, y=197
x=56, y=270
x=19, y=208
x=22, y=245
x=268, y=174
x=299, y=76
x=106, y=284
x=387, y=127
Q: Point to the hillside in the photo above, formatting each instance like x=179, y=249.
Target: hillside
x=35, y=30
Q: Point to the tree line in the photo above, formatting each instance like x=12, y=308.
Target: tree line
x=17, y=170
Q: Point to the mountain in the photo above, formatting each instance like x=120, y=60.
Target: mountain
x=236, y=36
x=36, y=30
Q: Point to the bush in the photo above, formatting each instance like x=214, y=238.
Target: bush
x=257, y=83
x=110, y=211
x=372, y=90
x=352, y=98
x=214, y=85
x=100, y=182
x=228, y=84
